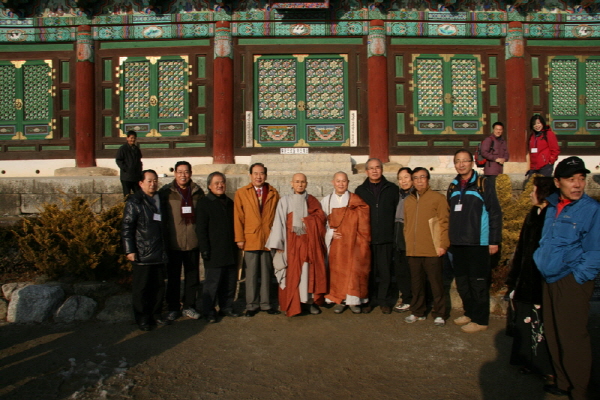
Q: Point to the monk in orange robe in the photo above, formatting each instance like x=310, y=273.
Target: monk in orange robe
x=298, y=234
x=347, y=239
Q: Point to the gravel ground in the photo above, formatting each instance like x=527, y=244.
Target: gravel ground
x=367, y=356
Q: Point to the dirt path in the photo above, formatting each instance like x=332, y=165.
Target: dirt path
x=328, y=356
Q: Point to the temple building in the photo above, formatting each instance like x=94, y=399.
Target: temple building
x=218, y=82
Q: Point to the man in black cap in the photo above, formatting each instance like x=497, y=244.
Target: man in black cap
x=569, y=260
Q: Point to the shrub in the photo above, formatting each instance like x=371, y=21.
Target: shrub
x=12, y=264
x=514, y=210
x=74, y=241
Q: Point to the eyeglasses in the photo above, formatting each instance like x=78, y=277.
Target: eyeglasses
x=462, y=161
x=183, y=172
x=419, y=178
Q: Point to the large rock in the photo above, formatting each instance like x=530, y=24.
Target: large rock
x=3, y=309
x=98, y=291
x=76, y=308
x=9, y=288
x=34, y=303
x=117, y=309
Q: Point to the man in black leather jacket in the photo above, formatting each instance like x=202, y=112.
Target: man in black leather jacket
x=144, y=244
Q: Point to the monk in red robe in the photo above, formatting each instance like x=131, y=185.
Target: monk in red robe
x=298, y=234
x=348, y=237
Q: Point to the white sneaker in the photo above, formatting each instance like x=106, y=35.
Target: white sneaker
x=402, y=307
x=439, y=321
x=413, y=318
x=191, y=313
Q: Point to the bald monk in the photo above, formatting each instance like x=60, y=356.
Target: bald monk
x=298, y=234
x=347, y=239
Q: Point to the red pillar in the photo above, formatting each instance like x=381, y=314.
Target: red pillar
x=516, y=98
x=377, y=92
x=84, y=99
x=223, y=95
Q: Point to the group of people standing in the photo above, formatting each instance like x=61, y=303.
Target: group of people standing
x=384, y=246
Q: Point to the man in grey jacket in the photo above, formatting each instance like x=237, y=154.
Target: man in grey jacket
x=179, y=199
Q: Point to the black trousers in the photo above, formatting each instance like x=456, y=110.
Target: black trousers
x=473, y=275
x=403, y=279
x=129, y=187
x=191, y=272
x=380, y=285
x=218, y=288
x=148, y=290
x=566, y=306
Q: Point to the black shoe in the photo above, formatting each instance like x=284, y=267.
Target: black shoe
x=271, y=311
x=144, y=327
x=553, y=389
x=386, y=309
x=211, y=319
x=314, y=309
x=249, y=313
x=229, y=314
x=367, y=309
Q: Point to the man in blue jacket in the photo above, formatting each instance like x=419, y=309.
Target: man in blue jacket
x=475, y=232
x=569, y=260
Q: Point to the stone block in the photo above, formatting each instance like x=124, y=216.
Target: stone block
x=33, y=203
x=110, y=200
x=74, y=185
x=90, y=171
x=227, y=169
x=10, y=204
x=117, y=309
x=498, y=305
x=9, y=288
x=98, y=291
x=34, y=303
x=309, y=164
x=455, y=299
x=3, y=309
x=76, y=308
x=16, y=186
x=108, y=184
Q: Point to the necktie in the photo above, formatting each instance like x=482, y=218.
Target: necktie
x=259, y=194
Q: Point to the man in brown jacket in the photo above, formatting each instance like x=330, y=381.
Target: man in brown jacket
x=178, y=200
x=254, y=211
x=426, y=234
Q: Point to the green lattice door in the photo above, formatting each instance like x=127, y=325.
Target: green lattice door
x=26, y=100
x=301, y=100
x=574, y=94
x=154, y=95
x=447, y=96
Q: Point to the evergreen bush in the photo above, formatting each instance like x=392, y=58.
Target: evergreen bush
x=514, y=210
x=74, y=241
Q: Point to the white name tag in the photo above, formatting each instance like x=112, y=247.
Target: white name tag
x=157, y=217
x=458, y=207
x=534, y=150
x=186, y=210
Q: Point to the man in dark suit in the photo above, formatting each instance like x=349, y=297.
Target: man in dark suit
x=382, y=196
x=214, y=227
x=129, y=160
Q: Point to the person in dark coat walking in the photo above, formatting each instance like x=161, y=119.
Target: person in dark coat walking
x=144, y=244
x=216, y=242
x=530, y=348
x=382, y=196
x=129, y=160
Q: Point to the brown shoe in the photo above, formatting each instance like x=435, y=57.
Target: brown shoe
x=473, y=327
x=462, y=320
x=386, y=309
